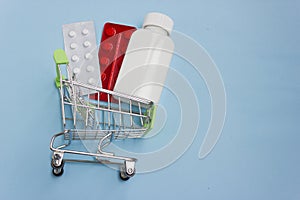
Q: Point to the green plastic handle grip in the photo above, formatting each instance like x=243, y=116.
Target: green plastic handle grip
x=60, y=58
x=152, y=113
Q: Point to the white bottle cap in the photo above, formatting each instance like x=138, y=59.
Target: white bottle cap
x=159, y=19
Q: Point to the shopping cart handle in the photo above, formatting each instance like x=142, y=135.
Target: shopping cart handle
x=60, y=58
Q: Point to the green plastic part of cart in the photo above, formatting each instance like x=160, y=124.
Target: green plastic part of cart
x=60, y=58
x=152, y=113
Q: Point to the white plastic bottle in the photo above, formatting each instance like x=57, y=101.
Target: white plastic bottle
x=148, y=55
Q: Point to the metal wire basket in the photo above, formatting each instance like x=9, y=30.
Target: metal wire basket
x=86, y=117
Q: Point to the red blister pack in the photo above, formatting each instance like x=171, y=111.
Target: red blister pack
x=114, y=42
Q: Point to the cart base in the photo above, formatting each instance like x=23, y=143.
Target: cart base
x=127, y=167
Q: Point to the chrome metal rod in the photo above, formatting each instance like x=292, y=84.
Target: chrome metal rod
x=60, y=150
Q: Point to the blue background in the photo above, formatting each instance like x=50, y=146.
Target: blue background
x=255, y=45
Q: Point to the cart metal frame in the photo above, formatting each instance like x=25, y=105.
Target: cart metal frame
x=86, y=126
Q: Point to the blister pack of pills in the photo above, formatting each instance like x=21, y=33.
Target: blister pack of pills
x=82, y=52
x=114, y=42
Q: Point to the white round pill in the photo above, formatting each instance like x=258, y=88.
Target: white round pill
x=86, y=44
x=91, y=81
x=75, y=58
x=85, y=31
x=88, y=56
x=90, y=68
x=76, y=70
x=72, y=34
x=73, y=46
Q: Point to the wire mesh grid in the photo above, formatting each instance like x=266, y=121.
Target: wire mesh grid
x=88, y=118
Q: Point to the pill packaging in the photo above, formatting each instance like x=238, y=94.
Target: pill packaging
x=114, y=42
x=82, y=52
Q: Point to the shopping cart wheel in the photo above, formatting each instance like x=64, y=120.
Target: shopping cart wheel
x=124, y=175
x=58, y=171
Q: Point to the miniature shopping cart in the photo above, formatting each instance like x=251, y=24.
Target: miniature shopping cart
x=85, y=118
